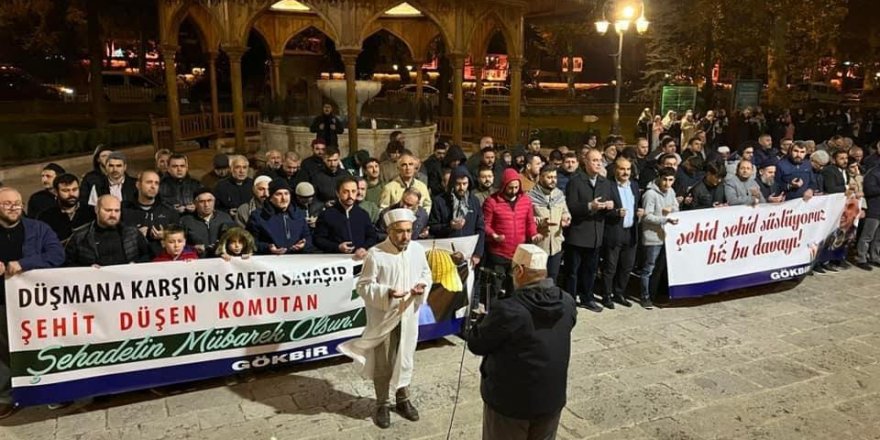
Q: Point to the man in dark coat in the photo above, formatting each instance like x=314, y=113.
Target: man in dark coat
x=149, y=213
x=206, y=225
x=236, y=189
x=46, y=197
x=589, y=200
x=328, y=176
x=433, y=167
x=25, y=245
x=279, y=228
x=868, y=245
x=106, y=241
x=327, y=126
x=709, y=192
x=834, y=176
x=68, y=214
x=116, y=182
x=345, y=228
x=525, y=341
x=621, y=238
x=457, y=213
x=177, y=186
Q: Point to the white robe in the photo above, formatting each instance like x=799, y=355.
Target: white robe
x=386, y=269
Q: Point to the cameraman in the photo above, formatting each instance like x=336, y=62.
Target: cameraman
x=526, y=344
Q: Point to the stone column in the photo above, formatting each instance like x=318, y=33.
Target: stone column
x=235, y=53
x=173, y=101
x=276, y=76
x=516, y=65
x=478, y=95
x=349, y=58
x=215, y=105
x=457, y=60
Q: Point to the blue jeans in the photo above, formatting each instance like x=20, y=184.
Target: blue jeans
x=652, y=253
x=582, y=264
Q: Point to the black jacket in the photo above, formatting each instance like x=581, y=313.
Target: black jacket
x=39, y=202
x=62, y=224
x=587, y=227
x=614, y=231
x=334, y=227
x=332, y=128
x=325, y=182
x=230, y=195
x=526, y=343
x=706, y=197
x=871, y=188
x=129, y=190
x=441, y=214
x=178, y=191
x=832, y=180
x=81, y=249
x=156, y=215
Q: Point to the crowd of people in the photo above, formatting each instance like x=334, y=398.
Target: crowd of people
x=597, y=210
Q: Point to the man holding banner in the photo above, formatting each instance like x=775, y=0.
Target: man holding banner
x=393, y=284
x=25, y=244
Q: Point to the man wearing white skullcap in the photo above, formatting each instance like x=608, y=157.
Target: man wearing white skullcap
x=525, y=341
x=261, y=193
x=393, y=284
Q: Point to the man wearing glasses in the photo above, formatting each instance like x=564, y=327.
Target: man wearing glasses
x=25, y=244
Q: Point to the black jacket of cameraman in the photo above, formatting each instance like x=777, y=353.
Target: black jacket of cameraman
x=526, y=343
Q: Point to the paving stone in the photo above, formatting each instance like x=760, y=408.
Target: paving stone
x=135, y=413
x=714, y=385
x=668, y=428
x=627, y=408
x=703, y=362
x=774, y=372
x=831, y=358
x=219, y=416
x=80, y=423
x=206, y=398
x=821, y=424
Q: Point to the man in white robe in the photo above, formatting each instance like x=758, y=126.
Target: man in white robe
x=393, y=284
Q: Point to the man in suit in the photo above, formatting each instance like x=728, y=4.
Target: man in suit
x=589, y=201
x=621, y=235
x=834, y=177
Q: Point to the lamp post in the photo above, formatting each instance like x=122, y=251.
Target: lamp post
x=623, y=13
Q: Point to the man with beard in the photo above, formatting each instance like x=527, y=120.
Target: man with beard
x=107, y=241
x=345, y=228
x=551, y=215
x=794, y=176
x=741, y=188
x=569, y=167
x=457, y=213
x=327, y=126
x=489, y=158
x=206, y=225
x=667, y=160
x=433, y=167
x=235, y=190
x=279, y=228
x=305, y=200
x=261, y=193
x=531, y=172
x=393, y=284
x=289, y=170
x=149, y=213
x=274, y=161
x=116, y=182
x=219, y=172
x=68, y=214
x=485, y=184
x=589, y=200
x=372, y=209
x=767, y=183
x=45, y=198
x=765, y=150
x=177, y=187
x=621, y=238
x=709, y=192
x=818, y=161
x=314, y=162
x=330, y=174
x=373, y=179
x=25, y=245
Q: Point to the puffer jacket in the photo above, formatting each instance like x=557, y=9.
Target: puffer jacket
x=515, y=221
x=178, y=191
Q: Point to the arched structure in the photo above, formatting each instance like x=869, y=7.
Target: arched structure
x=465, y=27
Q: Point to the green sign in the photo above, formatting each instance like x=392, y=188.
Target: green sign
x=678, y=98
x=747, y=93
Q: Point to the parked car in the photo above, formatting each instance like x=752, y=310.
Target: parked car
x=494, y=95
x=431, y=93
x=131, y=87
x=18, y=85
x=816, y=93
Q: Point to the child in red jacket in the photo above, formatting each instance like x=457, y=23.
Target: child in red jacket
x=174, y=246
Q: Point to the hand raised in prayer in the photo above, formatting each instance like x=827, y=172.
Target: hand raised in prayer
x=418, y=290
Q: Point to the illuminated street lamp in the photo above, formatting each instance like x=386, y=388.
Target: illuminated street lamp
x=622, y=12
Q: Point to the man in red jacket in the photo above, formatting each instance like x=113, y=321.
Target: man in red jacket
x=509, y=222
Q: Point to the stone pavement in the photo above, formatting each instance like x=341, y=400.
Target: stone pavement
x=800, y=363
